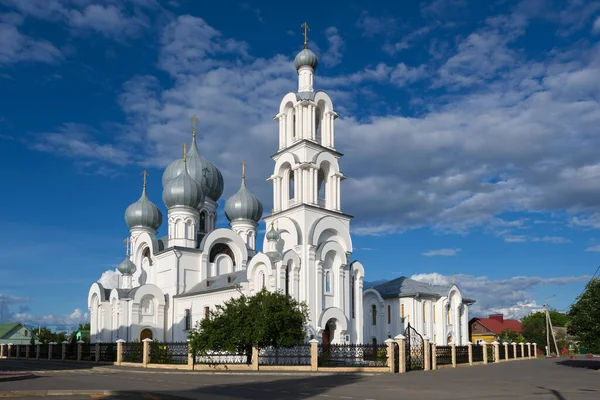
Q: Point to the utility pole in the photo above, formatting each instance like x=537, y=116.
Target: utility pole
x=548, y=331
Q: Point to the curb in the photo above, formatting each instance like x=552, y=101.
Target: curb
x=16, y=377
x=44, y=393
x=240, y=373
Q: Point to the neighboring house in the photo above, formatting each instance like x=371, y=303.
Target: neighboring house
x=487, y=329
x=439, y=312
x=16, y=333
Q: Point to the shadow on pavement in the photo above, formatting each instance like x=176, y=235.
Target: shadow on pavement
x=588, y=364
x=290, y=389
x=26, y=365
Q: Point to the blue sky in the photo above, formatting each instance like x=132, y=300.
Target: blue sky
x=470, y=130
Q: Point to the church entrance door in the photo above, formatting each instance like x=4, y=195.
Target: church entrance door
x=145, y=334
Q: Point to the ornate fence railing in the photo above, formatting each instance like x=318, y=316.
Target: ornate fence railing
x=88, y=352
x=462, y=354
x=443, y=355
x=352, y=355
x=57, y=351
x=169, y=353
x=491, y=354
x=108, y=352
x=22, y=351
x=133, y=352
x=223, y=358
x=519, y=351
x=511, y=351
x=477, y=353
x=43, y=351
x=33, y=351
x=71, y=353
x=297, y=355
x=501, y=352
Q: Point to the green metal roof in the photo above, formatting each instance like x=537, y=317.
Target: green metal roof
x=7, y=328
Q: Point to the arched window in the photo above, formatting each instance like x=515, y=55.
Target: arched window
x=287, y=280
x=328, y=282
x=318, y=118
x=291, y=185
x=389, y=314
x=261, y=279
x=202, y=225
x=402, y=311
x=321, y=184
x=294, y=127
x=434, y=317
x=424, y=312
x=374, y=314
x=221, y=248
x=352, y=293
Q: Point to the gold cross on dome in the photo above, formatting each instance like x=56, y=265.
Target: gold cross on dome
x=306, y=29
x=184, y=146
x=243, y=169
x=145, y=173
x=194, y=129
x=127, y=242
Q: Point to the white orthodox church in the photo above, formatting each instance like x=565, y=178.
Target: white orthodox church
x=170, y=283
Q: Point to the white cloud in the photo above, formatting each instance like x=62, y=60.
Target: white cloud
x=62, y=321
x=546, y=239
x=372, y=26
x=510, y=296
x=110, y=279
x=442, y=252
x=16, y=47
x=333, y=55
x=593, y=248
x=596, y=27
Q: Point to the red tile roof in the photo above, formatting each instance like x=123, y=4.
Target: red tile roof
x=496, y=326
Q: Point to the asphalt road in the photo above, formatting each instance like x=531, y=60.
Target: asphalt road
x=529, y=379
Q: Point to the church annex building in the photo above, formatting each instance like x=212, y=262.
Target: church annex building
x=169, y=283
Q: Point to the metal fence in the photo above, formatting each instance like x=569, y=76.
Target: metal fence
x=477, y=353
x=519, y=351
x=57, y=351
x=43, y=351
x=444, y=355
x=502, y=352
x=462, y=354
x=220, y=357
x=22, y=351
x=169, y=353
x=71, y=353
x=88, y=352
x=297, y=355
x=133, y=352
x=353, y=355
x=33, y=351
x=108, y=352
x=511, y=351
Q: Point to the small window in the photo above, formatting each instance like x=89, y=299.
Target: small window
x=374, y=314
x=389, y=314
x=402, y=311
x=434, y=317
x=374, y=341
x=26, y=332
x=188, y=319
x=424, y=313
x=206, y=312
x=328, y=282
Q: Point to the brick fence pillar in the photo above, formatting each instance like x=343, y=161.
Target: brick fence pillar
x=97, y=352
x=9, y=348
x=1, y=350
x=50, y=346
x=254, y=358
x=470, y=346
x=37, y=351
x=485, y=352
x=79, y=349
x=18, y=350
x=505, y=350
x=27, y=351
x=496, y=351
x=146, y=352
x=427, y=351
x=191, y=358
x=453, y=348
x=401, y=340
x=390, y=354
x=522, y=349
x=120, y=351
x=314, y=354
x=63, y=353
x=433, y=356
x=528, y=349
x=534, y=350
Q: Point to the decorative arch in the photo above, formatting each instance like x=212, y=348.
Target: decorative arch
x=230, y=238
x=288, y=98
x=334, y=313
x=224, y=263
x=260, y=262
x=326, y=157
x=141, y=242
x=219, y=249
x=336, y=231
x=290, y=233
x=324, y=97
x=286, y=158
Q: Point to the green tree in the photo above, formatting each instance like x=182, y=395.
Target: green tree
x=265, y=319
x=510, y=336
x=534, y=326
x=585, y=317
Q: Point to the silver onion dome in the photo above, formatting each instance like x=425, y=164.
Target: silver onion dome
x=200, y=169
x=272, y=234
x=243, y=205
x=127, y=267
x=143, y=213
x=306, y=58
x=183, y=191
